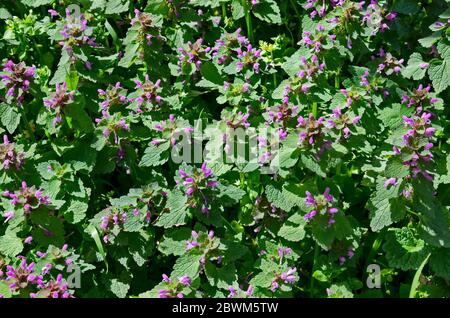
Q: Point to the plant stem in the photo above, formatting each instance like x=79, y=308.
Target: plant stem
x=248, y=20
x=314, y=109
x=296, y=11
x=224, y=11
x=316, y=254
x=337, y=82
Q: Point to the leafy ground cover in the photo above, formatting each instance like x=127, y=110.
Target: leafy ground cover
x=122, y=172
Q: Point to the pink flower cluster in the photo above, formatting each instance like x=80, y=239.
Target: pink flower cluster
x=16, y=79
x=320, y=204
x=9, y=157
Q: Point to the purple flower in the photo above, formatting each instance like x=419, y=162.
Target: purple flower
x=310, y=201
x=185, y=280
x=163, y=293
x=53, y=13
x=390, y=181
x=17, y=79
x=8, y=215
x=232, y=292
x=288, y=277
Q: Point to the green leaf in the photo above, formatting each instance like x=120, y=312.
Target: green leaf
x=440, y=262
x=211, y=74
x=237, y=10
x=430, y=40
x=230, y=195
x=176, y=203
x=132, y=223
x=119, y=288
x=406, y=6
x=340, y=291
x=322, y=234
x=443, y=48
x=131, y=53
x=392, y=116
x=440, y=75
x=404, y=249
x=267, y=11
x=10, y=245
x=47, y=229
x=76, y=212
x=413, y=69
x=292, y=63
x=36, y=3
x=293, y=231
x=395, y=168
x=155, y=155
x=9, y=117
x=434, y=218
x=188, y=264
x=4, y=14
x=263, y=279
x=174, y=241
x=117, y=6
x=220, y=277
x=311, y=163
x=383, y=208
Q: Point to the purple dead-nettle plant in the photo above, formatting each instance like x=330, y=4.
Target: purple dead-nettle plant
x=310, y=69
x=23, y=276
x=322, y=205
x=387, y=63
x=171, y=129
x=147, y=95
x=317, y=39
x=111, y=221
x=199, y=185
x=17, y=79
x=310, y=131
x=174, y=287
x=320, y=8
x=414, y=150
x=248, y=58
x=114, y=97
x=147, y=30
x=206, y=138
x=283, y=114
x=342, y=123
x=236, y=89
x=348, y=256
x=191, y=56
x=240, y=292
x=54, y=288
x=73, y=32
x=28, y=198
x=57, y=101
x=377, y=17
x=202, y=241
x=420, y=98
x=287, y=277
x=225, y=47
x=112, y=125
x=232, y=123
x=10, y=157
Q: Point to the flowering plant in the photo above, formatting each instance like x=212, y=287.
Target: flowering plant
x=232, y=148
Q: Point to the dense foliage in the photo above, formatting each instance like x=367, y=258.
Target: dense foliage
x=344, y=102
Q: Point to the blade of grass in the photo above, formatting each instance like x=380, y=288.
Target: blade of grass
x=94, y=234
x=415, y=282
